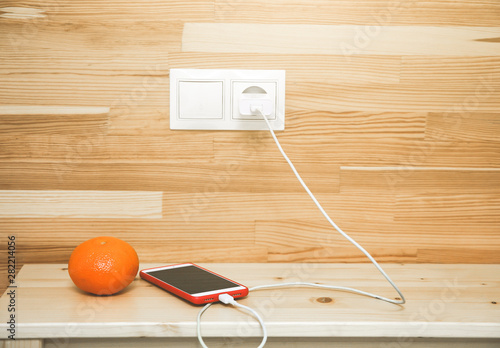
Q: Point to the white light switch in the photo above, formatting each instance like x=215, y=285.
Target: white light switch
x=201, y=99
x=210, y=99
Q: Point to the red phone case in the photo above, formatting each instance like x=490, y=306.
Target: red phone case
x=241, y=292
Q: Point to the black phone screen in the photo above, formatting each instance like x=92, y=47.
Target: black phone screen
x=192, y=279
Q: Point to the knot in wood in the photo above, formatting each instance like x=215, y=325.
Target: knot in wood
x=324, y=299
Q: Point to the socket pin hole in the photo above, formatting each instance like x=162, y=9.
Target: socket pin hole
x=254, y=90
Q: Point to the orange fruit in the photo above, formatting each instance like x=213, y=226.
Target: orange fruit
x=103, y=265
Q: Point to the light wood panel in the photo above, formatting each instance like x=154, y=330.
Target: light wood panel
x=480, y=71
x=331, y=126
x=392, y=118
x=116, y=60
x=401, y=98
x=364, y=12
x=343, y=40
x=70, y=150
x=383, y=152
x=236, y=206
x=22, y=13
x=89, y=204
x=449, y=207
x=74, y=90
x=42, y=232
x=376, y=234
x=72, y=35
x=410, y=179
x=172, y=176
x=51, y=110
x=360, y=70
x=54, y=124
x=47, y=240
x=466, y=254
x=464, y=125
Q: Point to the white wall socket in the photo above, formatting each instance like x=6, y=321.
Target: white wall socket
x=210, y=99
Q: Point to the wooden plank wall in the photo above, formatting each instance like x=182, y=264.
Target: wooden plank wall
x=392, y=117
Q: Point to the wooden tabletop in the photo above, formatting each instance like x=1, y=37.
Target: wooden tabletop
x=442, y=301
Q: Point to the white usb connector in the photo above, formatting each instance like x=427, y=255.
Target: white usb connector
x=226, y=299
x=256, y=109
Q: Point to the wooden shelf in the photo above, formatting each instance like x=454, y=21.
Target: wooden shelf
x=444, y=302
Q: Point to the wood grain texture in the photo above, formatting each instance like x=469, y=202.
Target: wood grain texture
x=53, y=124
x=50, y=110
x=464, y=125
x=481, y=71
x=392, y=119
x=411, y=179
x=403, y=98
x=444, y=207
x=122, y=11
x=22, y=344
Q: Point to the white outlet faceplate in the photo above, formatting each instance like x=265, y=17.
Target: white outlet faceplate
x=209, y=99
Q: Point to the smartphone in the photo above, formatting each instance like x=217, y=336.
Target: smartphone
x=193, y=283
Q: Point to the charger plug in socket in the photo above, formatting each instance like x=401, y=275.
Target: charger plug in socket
x=246, y=105
x=257, y=96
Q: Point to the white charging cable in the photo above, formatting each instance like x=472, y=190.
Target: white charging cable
x=227, y=299
x=256, y=110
